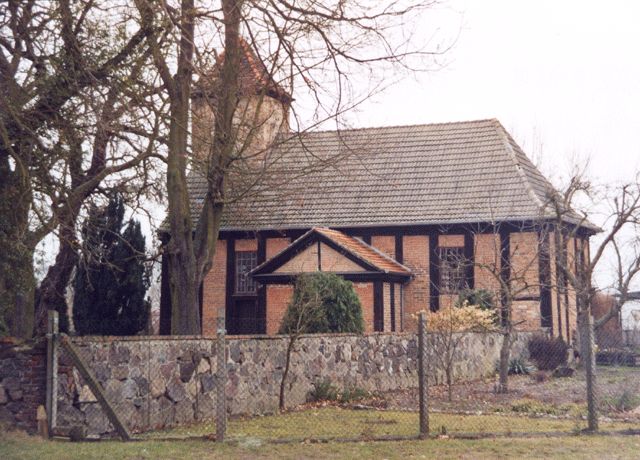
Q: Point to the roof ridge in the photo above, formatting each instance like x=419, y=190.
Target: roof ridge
x=414, y=125
x=502, y=133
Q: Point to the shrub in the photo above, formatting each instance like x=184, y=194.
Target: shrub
x=482, y=298
x=324, y=302
x=463, y=318
x=353, y=394
x=548, y=353
x=518, y=366
x=444, y=326
x=625, y=401
x=323, y=390
x=616, y=358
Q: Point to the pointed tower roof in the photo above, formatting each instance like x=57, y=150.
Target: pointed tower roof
x=254, y=77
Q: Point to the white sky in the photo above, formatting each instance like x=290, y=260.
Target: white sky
x=562, y=76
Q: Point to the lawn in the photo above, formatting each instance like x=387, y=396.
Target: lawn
x=336, y=423
x=20, y=446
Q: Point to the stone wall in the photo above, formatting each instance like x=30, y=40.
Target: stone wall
x=22, y=383
x=161, y=382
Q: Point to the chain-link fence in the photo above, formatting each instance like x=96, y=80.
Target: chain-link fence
x=341, y=387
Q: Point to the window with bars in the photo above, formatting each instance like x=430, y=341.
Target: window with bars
x=453, y=265
x=245, y=262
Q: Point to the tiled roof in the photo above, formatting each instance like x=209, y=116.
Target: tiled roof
x=366, y=254
x=363, y=251
x=448, y=173
x=254, y=78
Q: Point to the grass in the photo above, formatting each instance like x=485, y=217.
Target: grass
x=20, y=446
x=338, y=423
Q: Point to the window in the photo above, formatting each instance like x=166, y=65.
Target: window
x=245, y=262
x=453, y=267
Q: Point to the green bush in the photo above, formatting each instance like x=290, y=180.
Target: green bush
x=518, y=366
x=353, y=394
x=479, y=297
x=323, y=390
x=323, y=302
x=548, y=353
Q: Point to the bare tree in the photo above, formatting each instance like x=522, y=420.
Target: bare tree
x=446, y=333
x=311, y=45
x=59, y=62
x=618, y=208
x=509, y=279
x=305, y=310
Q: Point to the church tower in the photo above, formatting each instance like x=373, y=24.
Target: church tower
x=262, y=113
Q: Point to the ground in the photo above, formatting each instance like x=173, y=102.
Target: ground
x=538, y=418
x=20, y=446
x=618, y=392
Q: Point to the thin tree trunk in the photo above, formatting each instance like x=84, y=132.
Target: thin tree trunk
x=285, y=374
x=505, y=354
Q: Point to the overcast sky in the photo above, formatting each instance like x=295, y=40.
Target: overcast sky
x=562, y=76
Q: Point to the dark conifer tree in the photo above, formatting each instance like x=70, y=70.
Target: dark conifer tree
x=111, y=279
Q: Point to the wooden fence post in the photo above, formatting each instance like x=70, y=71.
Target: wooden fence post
x=422, y=376
x=590, y=374
x=51, y=403
x=221, y=401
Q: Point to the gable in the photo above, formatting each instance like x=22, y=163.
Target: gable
x=330, y=261
x=323, y=249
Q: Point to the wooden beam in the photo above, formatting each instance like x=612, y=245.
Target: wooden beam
x=95, y=387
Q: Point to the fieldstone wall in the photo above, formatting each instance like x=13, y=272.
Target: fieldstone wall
x=160, y=382
x=23, y=376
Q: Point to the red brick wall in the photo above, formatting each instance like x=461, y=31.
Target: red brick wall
x=451, y=241
x=385, y=244
x=365, y=294
x=526, y=313
x=23, y=368
x=487, y=257
x=275, y=245
x=416, y=293
x=386, y=296
x=246, y=245
x=524, y=264
x=213, y=289
x=278, y=298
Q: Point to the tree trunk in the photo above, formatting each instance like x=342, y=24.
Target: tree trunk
x=589, y=361
x=17, y=281
x=285, y=373
x=449, y=376
x=505, y=354
x=183, y=282
x=51, y=293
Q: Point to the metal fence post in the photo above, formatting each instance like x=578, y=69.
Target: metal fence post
x=221, y=403
x=422, y=376
x=52, y=371
x=590, y=374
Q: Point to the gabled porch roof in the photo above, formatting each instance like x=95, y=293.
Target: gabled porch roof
x=324, y=249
